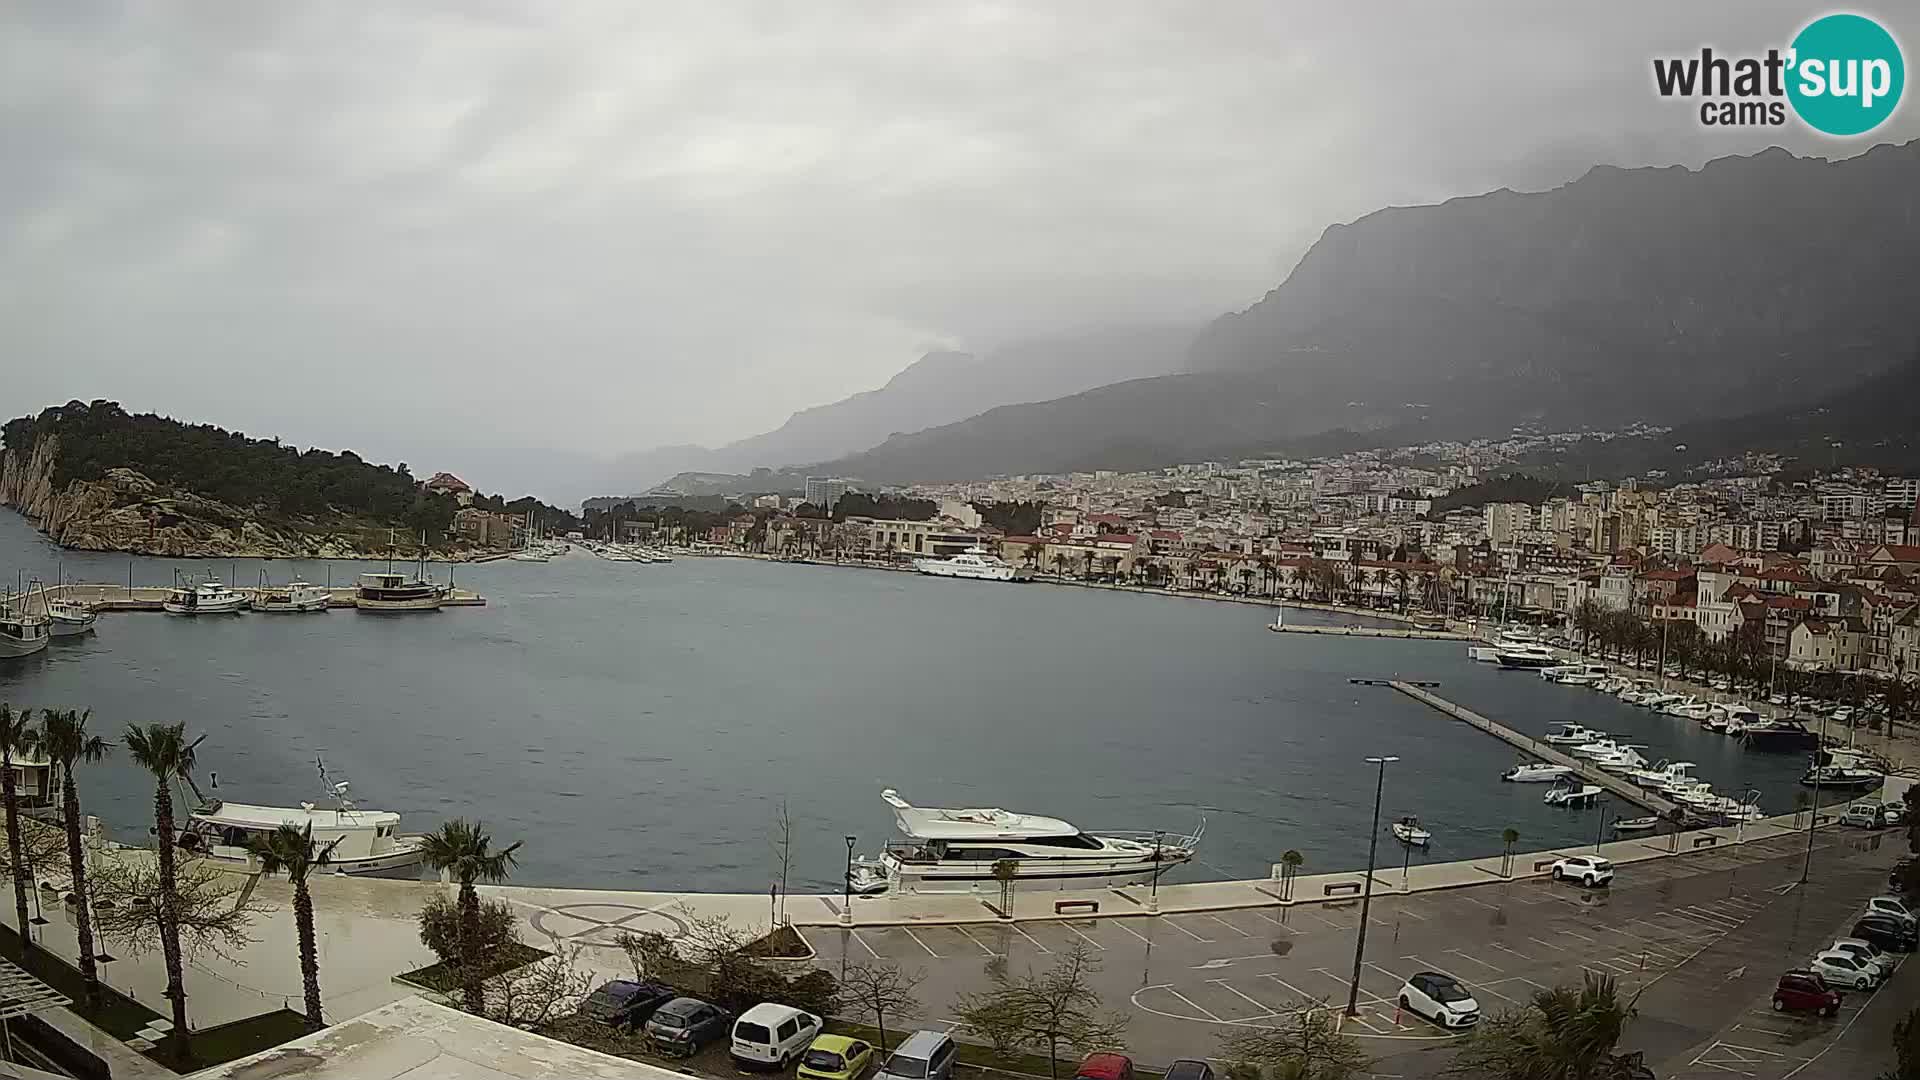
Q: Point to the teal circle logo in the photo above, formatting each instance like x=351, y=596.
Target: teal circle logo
x=1847, y=74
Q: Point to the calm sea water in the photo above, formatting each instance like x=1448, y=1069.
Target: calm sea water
x=637, y=726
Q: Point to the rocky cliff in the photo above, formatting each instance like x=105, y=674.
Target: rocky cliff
x=126, y=511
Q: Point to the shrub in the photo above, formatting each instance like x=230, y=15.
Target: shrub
x=440, y=926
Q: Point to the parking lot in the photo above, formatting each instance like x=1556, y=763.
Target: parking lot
x=1187, y=979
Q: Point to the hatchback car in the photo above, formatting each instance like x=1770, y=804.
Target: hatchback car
x=1892, y=906
x=1885, y=932
x=1440, y=998
x=1837, y=967
x=1802, y=991
x=835, y=1057
x=684, y=1025
x=1105, y=1067
x=1189, y=1069
x=1866, y=950
x=624, y=1003
x=1894, y=812
x=1588, y=870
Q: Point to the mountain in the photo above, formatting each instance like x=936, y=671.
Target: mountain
x=1660, y=294
x=939, y=388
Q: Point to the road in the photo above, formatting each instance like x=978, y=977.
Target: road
x=1699, y=934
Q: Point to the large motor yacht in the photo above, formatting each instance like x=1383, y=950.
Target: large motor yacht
x=1531, y=655
x=975, y=562
x=956, y=850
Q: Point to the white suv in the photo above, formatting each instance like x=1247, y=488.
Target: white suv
x=770, y=1035
x=1588, y=870
x=1841, y=968
x=1440, y=998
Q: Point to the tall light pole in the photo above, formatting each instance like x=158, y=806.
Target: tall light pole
x=1600, y=829
x=1813, y=818
x=1366, y=891
x=846, y=913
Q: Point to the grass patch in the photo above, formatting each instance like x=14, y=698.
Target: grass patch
x=229, y=1042
x=118, y=1015
x=445, y=976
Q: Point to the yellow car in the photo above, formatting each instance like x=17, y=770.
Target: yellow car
x=835, y=1057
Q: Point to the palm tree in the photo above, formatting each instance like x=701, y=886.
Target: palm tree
x=18, y=740
x=464, y=849
x=163, y=750
x=291, y=849
x=66, y=740
x=1290, y=868
x=1564, y=1031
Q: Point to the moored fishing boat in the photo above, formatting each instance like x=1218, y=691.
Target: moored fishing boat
x=1409, y=831
x=397, y=592
x=294, y=596
x=23, y=633
x=205, y=598
x=357, y=841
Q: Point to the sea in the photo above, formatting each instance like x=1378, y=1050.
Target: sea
x=642, y=726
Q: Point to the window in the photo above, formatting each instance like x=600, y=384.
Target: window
x=789, y=1029
x=1077, y=840
x=751, y=1033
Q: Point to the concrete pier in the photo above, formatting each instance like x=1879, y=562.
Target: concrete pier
x=148, y=597
x=1586, y=770
x=1370, y=631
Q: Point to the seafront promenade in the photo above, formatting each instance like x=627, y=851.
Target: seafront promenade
x=149, y=597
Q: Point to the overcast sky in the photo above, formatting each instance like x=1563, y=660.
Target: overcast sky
x=419, y=228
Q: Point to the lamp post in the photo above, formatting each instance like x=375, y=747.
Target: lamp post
x=846, y=909
x=1813, y=818
x=1366, y=892
x=1153, y=888
x=1600, y=829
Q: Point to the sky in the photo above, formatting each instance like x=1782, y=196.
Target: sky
x=485, y=231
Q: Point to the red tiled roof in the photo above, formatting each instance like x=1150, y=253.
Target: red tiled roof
x=1023, y=540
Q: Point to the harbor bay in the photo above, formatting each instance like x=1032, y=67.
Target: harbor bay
x=638, y=726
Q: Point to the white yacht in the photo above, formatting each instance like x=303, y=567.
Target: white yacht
x=206, y=598
x=1513, y=637
x=1529, y=656
x=1534, y=772
x=1623, y=760
x=1838, y=768
x=975, y=562
x=956, y=850
x=364, y=841
x=22, y=633
x=396, y=592
x=1575, y=674
x=297, y=596
x=1572, y=735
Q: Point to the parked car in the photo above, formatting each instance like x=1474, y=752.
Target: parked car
x=624, y=1003
x=1864, y=815
x=772, y=1035
x=1891, y=905
x=1899, y=869
x=835, y=1057
x=1886, y=932
x=1803, y=991
x=1588, y=870
x=684, y=1025
x=1866, y=950
x=1440, y=998
x=1894, y=812
x=1837, y=967
x=925, y=1055
x=1105, y=1067
x=1189, y=1069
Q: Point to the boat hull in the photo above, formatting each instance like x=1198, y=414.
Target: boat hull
x=12, y=646
x=960, y=876
x=425, y=603
x=405, y=862
x=224, y=607
x=940, y=568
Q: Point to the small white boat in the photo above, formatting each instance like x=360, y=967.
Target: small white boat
x=22, y=633
x=294, y=596
x=1408, y=831
x=1597, y=749
x=1622, y=761
x=206, y=598
x=1690, y=709
x=1533, y=772
x=1572, y=735
x=1631, y=826
x=65, y=618
x=1571, y=794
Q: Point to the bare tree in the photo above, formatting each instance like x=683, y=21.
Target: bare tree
x=1305, y=1044
x=210, y=909
x=652, y=954
x=541, y=992
x=1046, y=1010
x=881, y=989
x=782, y=856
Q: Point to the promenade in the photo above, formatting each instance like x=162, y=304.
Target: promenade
x=106, y=597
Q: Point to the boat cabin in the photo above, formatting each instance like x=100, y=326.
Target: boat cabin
x=227, y=831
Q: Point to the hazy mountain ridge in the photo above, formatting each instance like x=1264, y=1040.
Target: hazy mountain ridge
x=1663, y=294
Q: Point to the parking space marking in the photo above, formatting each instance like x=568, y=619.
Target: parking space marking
x=1274, y=921
x=1548, y=944
x=1336, y=925
x=1122, y=924
x=1410, y=913
x=922, y=944
x=1471, y=900
x=1477, y=960
x=1575, y=934
x=1083, y=937
x=1227, y=924
x=1205, y=941
x=1489, y=989
x=1531, y=983
x=983, y=945
x=1203, y=1012
x=1301, y=994
x=1269, y=1011
x=1015, y=927
x=1396, y=977
x=863, y=944
x=1513, y=952
x=1726, y=920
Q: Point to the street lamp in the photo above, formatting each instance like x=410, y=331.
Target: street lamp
x=1600, y=830
x=1153, y=889
x=846, y=912
x=1366, y=892
x=1813, y=818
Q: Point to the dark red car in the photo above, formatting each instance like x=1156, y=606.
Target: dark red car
x=1105, y=1067
x=1803, y=991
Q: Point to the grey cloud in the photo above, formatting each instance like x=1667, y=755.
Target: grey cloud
x=599, y=226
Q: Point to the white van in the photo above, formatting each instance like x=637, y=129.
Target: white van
x=770, y=1035
x=925, y=1055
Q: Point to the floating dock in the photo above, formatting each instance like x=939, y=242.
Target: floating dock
x=1586, y=770
x=148, y=597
